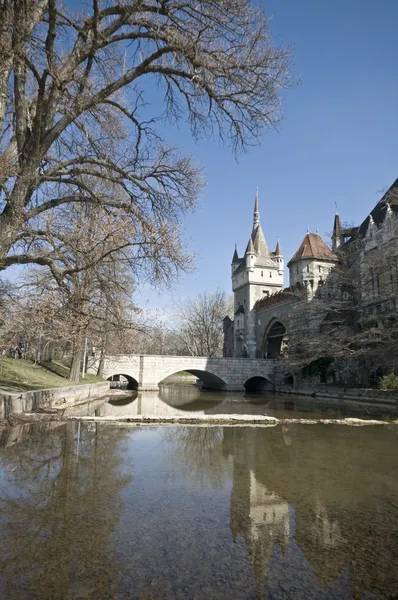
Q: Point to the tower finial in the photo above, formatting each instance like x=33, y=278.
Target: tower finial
x=256, y=215
x=308, y=228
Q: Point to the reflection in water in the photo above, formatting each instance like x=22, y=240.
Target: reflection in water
x=170, y=401
x=123, y=400
x=104, y=511
x=197, y=452
x=58, y=511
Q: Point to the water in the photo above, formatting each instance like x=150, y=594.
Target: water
x=114, y=511
x=191, y=401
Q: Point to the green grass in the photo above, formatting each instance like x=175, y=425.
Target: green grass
x=63, y=371
x=18, y=375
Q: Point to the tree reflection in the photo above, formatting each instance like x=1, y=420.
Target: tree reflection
x=61, y=506
x=197, y=452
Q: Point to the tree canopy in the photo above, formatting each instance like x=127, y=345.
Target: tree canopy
x=75, y=125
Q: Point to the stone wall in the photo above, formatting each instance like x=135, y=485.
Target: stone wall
x=14, y=403
x=215, y=373
x=373, y=396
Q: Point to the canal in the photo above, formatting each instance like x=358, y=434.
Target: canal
x=95, y=510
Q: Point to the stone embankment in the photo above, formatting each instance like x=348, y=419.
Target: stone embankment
x=366, y=395
x=26, y=402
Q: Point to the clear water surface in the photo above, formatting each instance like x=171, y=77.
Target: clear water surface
x=115, y=511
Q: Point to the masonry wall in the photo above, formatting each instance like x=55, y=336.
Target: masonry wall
x=29, y=401
x=215, y=373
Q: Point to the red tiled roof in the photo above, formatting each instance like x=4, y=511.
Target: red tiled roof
x=313, y=246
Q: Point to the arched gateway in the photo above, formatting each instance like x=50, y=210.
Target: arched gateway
x=274, y=340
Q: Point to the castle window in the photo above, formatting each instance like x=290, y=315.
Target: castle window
x=270, y=274
x=308, y=268
x=262, y=273
x=319, y=268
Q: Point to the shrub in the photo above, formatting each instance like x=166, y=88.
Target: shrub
x=389, y=382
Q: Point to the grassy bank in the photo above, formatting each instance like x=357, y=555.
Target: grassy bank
x=18, y=375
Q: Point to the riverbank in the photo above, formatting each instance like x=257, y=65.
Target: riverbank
x=19, y=375
x=365, y=395
x=14, y=404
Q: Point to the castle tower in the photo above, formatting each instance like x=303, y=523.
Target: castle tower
x=257, y=274
x=311, y=264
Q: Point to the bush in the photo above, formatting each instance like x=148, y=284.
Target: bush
x=389, y=382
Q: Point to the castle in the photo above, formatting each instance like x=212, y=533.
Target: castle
x=266, y=313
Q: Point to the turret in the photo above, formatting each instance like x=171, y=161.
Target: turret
x=235, y=261
x=250, y=255
x=311, y=263
x=279, y=258
x=337, y=237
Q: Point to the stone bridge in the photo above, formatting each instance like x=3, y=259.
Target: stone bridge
x=233, y=374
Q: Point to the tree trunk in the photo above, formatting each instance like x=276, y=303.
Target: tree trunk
x=74, y=372
x=100, y=369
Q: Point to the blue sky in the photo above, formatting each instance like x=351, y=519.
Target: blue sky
x=337, y=142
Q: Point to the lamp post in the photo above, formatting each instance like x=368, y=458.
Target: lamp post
x=84, y=357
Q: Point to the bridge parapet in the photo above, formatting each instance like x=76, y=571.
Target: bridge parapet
x=215, y=373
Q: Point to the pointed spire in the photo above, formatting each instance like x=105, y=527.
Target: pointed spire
x=235, y=257
x=250, y=247
x=278, y=250
x=256, y=214
x=337, y=236
x=337, y=224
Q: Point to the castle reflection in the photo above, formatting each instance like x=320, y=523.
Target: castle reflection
x=312, y=511
x=309, y=498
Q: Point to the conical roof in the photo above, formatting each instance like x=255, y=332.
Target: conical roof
x=260, y=245
x=314, y=247
x=235, y=257
x=337, y=224
x=250, y=247
x=278, y=249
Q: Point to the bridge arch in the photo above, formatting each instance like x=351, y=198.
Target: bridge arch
x=116, y=378
x=258, y=383
x=207, y=378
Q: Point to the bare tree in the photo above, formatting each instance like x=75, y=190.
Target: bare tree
x=199, y=324
x=73, y=106
x=88, y=291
